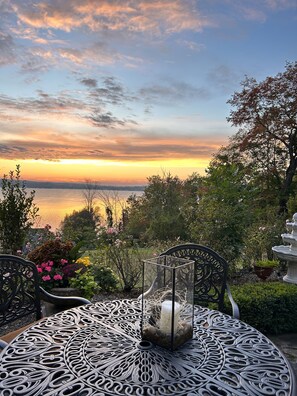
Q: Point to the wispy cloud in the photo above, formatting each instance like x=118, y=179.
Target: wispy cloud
x=192, y=45
x=89, y=82
x=124, y=147
x=223, y=78
x=7, y=54
x=253, y=10
x=107, y=23
x=172, y=91
x=155, y=16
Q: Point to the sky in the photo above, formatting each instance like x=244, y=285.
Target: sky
x=115, y=91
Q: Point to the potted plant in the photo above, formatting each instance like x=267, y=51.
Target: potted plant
x=56, y=266
x=264, y=268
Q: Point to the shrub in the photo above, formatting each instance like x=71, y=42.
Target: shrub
x=105, y=278
x=85, y=282
x=54, y=250
x=266, y=263
x=55, y=264
x=18, y=212
x=80, y=226
x=270, y=307
x=127, y=262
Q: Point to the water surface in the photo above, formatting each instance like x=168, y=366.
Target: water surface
x=54, y=204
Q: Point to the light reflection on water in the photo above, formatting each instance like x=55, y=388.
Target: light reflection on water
x=54, y=204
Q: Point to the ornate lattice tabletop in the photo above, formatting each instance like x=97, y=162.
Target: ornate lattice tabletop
x=96, y=350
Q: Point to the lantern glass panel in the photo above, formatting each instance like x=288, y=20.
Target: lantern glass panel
x=167, y=301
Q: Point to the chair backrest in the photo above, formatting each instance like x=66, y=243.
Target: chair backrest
x=19, y=289
x=210, y=272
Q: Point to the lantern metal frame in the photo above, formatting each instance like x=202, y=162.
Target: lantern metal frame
x=167, y=301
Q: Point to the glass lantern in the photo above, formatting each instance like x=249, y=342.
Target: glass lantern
x=167, y=301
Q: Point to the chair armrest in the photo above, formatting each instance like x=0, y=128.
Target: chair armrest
x=62, y=301
x=3, y=344
x=235, y=309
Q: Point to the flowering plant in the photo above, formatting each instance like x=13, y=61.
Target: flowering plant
x=56, y=264
x=107, y=235
x=84, y=260
x=58, y=274
x=52, y=275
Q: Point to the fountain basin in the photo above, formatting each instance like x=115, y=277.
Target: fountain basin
x=285, y=253
x=290, y=238
x=289, y=253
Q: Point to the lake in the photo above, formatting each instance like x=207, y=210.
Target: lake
x=54, y=204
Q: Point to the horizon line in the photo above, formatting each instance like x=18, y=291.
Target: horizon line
x=81, y=185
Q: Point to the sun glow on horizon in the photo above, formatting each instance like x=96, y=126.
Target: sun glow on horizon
x=108, y=172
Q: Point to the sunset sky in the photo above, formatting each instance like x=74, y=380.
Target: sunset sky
x=118, y=90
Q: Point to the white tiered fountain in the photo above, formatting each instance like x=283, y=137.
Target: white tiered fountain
x=289, y=252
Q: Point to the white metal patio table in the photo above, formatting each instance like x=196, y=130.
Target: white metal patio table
x=96, y=350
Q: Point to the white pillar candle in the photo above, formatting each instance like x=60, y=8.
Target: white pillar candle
x=166, y=316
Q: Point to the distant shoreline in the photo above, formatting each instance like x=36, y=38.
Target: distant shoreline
x=79, y=186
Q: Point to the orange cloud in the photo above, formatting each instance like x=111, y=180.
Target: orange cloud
x=133, y=15
x=51, y=146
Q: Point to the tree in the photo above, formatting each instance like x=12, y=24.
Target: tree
x=224, y=210
x=114, y=206
x=81, y=227
x=159, y=214
x=17, y=212
x=90, y=194
x=266, y=113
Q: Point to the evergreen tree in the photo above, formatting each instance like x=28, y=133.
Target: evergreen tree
x=17, y=212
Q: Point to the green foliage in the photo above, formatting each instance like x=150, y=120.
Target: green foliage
x=105, y=278
x=270, y=307
x=127, y=262
x=224, y=209
x=259, y=238
x=85, y=282
x=17, y=212
x=80, y=227
x=160, y=213
x=124, y=260
x=267, y=263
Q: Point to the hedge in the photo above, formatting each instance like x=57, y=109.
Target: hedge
x=270, y=307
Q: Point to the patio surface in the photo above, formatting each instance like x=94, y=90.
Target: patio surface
x=287, y=343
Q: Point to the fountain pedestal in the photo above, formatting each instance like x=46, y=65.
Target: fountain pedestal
x=289, y=252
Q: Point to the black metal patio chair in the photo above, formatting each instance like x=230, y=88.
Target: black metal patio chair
x=210, y=275
x=21, y=295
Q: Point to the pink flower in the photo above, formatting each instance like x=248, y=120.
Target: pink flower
x=39, y=269
x=48, y=269
x=46, y=278
x=63, y=261
x=111, y=230
x=50, y=263
x=57, y=277
x=43, y=265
